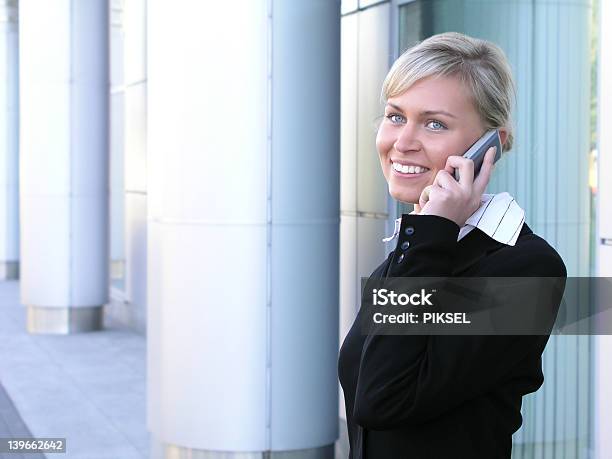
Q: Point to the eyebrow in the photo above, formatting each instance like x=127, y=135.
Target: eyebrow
x=425, y=112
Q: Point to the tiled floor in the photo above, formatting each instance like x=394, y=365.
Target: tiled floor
x=89, y=387
x=12, y=426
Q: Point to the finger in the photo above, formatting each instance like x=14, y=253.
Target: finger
x=466, y=169
x=424, y=196
x=445, y=180
x=438, y=193
x=482, y=180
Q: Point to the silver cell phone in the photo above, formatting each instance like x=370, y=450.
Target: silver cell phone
x=478, y=150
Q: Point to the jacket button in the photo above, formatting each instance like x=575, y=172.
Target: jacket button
x=409, y=230
x=405, y=245
x=400, y=258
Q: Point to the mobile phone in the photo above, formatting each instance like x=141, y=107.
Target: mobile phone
x=478, y=150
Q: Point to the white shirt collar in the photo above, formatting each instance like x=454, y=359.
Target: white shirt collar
x=499, y=216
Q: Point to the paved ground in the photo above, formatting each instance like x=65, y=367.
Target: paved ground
x=12, y=426
x=89, y=387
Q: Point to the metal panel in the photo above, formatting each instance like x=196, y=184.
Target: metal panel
x=348, y=6
x=135, y=147
x=45, y=254
x=226, y=139
x=207, y=335
x=136, y=256
x=134, y=19
x=304, y=336
x=349, y=113
x=116, y=177
x=373, y=65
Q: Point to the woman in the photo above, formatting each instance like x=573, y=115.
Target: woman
x=438, y=396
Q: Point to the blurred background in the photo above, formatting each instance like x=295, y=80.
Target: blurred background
x=190, y=193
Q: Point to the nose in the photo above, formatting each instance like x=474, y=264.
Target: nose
x=408, y=138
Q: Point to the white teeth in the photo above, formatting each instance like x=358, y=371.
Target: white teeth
x=409, y=169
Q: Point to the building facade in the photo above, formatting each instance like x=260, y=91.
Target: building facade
x=206, y=174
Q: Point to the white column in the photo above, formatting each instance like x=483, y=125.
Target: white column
x=9, y=141
x=602, y=396
x=64, y=90
x=243, y=227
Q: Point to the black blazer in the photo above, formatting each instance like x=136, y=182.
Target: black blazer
x=444, y=396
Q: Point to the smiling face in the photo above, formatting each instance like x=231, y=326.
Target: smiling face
x=423, y=126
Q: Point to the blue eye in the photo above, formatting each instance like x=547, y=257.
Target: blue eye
x=395, y=118
x=438, y=126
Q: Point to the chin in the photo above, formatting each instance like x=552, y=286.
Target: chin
x=406, y=196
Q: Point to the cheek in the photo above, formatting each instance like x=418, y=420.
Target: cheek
x=439, y=151
x=384, y=141
x=437, y=157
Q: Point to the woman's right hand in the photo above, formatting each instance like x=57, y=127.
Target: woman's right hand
x=454, y=200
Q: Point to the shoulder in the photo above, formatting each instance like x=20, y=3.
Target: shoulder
x=532, y=255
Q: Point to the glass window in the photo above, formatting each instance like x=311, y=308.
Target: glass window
x=410, y=24
x=550, y=171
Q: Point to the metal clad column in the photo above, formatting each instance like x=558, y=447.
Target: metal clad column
x=64, y=83
x=9, y=141
x=243, y=216
x=305, y=222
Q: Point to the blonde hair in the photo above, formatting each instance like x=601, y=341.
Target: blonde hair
x=481, y=65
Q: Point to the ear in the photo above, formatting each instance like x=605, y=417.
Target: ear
x=503, y=135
